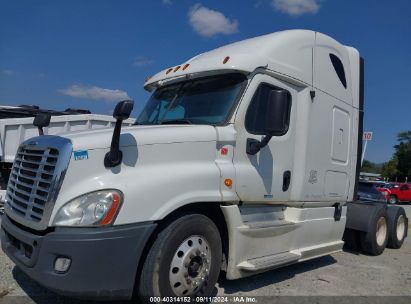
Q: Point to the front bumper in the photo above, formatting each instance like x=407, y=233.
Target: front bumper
x=103, y=260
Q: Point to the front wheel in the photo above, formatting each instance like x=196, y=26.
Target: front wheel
x=184, y=260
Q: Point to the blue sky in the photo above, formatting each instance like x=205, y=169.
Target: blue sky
x=89, y=53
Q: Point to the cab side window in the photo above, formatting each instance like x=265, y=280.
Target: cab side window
x=256, y=113
x=339, y=69
x=404, y=187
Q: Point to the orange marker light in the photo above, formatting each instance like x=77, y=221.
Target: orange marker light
x=113, y=210
x=186, y=66
x=176, y=69
x=169, y=70
x=228, y=182
x=226, y=59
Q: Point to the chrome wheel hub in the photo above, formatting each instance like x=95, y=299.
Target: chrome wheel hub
x=381, y=232
x=190, y=266
x=400, y=228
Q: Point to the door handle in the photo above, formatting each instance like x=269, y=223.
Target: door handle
x=286, y=180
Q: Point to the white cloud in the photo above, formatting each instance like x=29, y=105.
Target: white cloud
x=7, y=72
x=141, y=61
x=167, y=2
x=96, y=93
x=296, y=7
x=257, y=4
x=207, y=22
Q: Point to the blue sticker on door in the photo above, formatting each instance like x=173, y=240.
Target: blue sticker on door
x=80, y=155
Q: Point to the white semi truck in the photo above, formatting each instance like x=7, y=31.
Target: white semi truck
x=244, y=159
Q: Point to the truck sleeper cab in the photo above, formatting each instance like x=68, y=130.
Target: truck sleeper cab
x=242, y=160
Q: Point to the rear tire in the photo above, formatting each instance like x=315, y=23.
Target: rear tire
x=375, y=239
x=398, y=227
x=184, y=260
x=392, y=200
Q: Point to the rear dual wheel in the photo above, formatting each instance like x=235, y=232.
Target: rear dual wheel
x=398, y=227
x=375, y=239
x=387, y=228
x=184, y=260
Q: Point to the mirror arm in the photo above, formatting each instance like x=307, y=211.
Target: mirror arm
x=254, y=146
x=114, y=156
x=265, y=141
x=122, y=112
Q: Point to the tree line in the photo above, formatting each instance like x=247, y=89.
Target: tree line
x=398, y=168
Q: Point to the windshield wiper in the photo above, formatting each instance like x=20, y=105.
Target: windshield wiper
x=144, y=123
x=176, y=121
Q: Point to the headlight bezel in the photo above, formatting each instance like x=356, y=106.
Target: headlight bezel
x=65, y=217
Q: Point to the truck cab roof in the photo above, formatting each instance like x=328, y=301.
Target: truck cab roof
x=300, y=56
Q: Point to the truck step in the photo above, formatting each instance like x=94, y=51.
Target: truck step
x=271, y=261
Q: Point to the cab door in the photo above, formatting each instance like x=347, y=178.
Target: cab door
x=267, y=175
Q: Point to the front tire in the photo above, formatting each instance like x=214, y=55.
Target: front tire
x=184, y=260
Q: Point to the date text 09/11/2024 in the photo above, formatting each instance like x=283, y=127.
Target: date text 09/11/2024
x=216, y=299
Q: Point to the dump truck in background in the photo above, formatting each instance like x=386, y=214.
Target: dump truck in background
x=16, y=126
x=245, y=158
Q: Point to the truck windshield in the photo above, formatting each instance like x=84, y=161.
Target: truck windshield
x=199, y=101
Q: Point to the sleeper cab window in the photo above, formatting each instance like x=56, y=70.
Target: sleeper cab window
x=257, y=110
x=339, y=69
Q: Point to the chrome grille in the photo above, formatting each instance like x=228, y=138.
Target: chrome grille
x=35, y=179
x=30, y=181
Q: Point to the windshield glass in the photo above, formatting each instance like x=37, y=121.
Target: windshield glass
x=199, y=101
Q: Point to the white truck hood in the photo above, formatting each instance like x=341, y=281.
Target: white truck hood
x=160, y=169
x=141, y=135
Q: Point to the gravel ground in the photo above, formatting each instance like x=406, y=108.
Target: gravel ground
x=340, y=274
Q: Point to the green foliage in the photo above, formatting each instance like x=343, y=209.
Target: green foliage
x=399, y=167
x=370, y=167
x=403, y=153
x=389, y=169
x=404, y=136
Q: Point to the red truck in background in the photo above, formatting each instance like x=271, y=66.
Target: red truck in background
x=395, y=193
